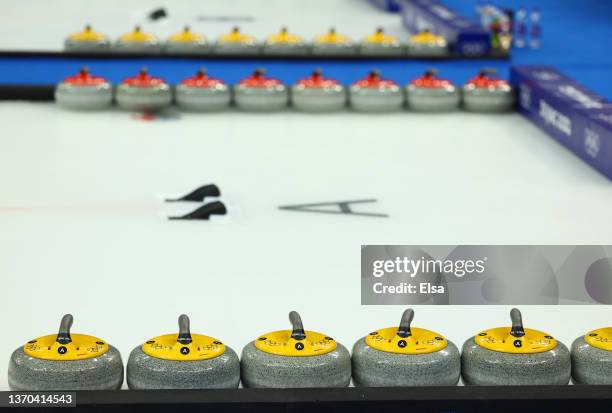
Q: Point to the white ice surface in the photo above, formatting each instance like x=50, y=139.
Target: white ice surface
x=43, y=25
x=80, y=229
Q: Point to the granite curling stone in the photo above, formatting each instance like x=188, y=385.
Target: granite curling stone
x=486, y=93
x=514, y=356
x=87, y=41
x=143, y=92
x=333, y=43
x=430, y=93
x=183, y=361
x=236, y=43
x=375, y=94
x=138, y=41
x=295, y=359
x=202, y=93
x=318, y=94
x=285, y=43
x=427, y=44
x=65, y=361
x=84, y=91
x=405, y=356
x=260, y=93
x=187, y=42
x=380, y=43
x=592, y=357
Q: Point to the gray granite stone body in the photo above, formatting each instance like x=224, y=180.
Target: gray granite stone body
x=374, y=49
x=153, y=46
x=590, y=365
x=199, y=99
x=264, y=370
x=75, y=97
x=480, y=366
x=187, y=48
x=236, y=48
x=143, y=98
x=326, y=49
x=255, y=99
x=364, y=99
x=146, y=372
x=26, y=373
x=485, y=100
x=71, y=45
x=432, y=99
x=318, y=99
x=298, y=49
x=426, y=50
x=375, y=368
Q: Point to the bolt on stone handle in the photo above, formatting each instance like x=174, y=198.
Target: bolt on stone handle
x=184, y=336
x=298, y=328
x=63, y=336
x=517, y=323
x=404, y=326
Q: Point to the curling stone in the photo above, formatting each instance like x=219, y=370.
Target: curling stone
x=427, y=44
x=87, y=41
x=295, y=358
x=318, y=94
x=84, y=91
x=405, y=356
x=65, y=361
x=375, y=94
x=486, y=93
x=138, y=41
x=430, y=93
x=381, y=44
x=202, y=93
x=183, y=361
x=187, y=42
x=143, y=92
x=285, y=43
x=333, y=43
x=260, y=93
x=514, y=356
x=592, y=357
x=237, y=43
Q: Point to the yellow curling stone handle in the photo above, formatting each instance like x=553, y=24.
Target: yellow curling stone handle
x=601, y=338
x=380, y=37
x=183, y=346
x=515, y=339
x=283, y=36
x=332, y=37
x=236, y=36
x=87, y=35
x=137, y=36
x=186, y=36
x=427, y=37
x=406, y=339
x=297, y=342
x=65, y=346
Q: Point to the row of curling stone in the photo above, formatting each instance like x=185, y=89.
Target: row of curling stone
x=236, y=42
x=297, y=358
x=316, y=93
